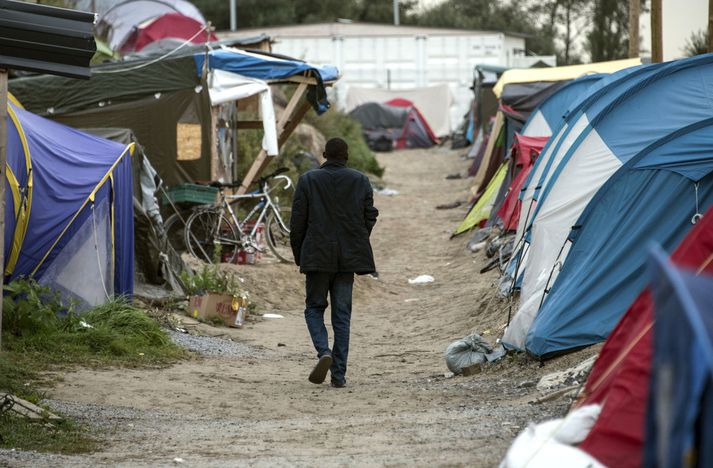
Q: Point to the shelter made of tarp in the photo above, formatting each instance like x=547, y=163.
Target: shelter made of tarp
x=69, y=215
x=152, y=97
x=434, y=102
x=565, y=73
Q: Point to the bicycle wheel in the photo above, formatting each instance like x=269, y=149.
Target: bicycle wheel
x=211, y=237
x=278, y=237
x=175, y=232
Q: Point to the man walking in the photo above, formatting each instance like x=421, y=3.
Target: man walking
x=332, y=217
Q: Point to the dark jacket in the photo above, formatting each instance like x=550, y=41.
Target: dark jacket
x=332, y=217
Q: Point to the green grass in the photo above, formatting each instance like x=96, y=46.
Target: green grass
x=66, y=437
x=42, y=334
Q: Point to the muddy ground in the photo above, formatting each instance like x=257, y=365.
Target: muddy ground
x=257, y=407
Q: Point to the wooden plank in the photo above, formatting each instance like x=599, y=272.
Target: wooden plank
x=656, y=31
x=293, y=123
x=3, y=161
x=30, y=410
x=634, y=15
x=249, y=124
x=214, y=159
x=262, y=159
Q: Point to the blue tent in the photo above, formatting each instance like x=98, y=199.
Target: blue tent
x=653, y=197
x=69, y=209
x=548, y=116
x=628, y=115
x=679, y=420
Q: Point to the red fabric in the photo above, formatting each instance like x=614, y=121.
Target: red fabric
x=620, y=377
x=400, y=102
x=173, y=25
x=525, y=151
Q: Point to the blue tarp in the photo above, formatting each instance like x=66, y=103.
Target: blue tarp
x=71, y=173
x=679, y=421
x=651, y=198
x=268, y=67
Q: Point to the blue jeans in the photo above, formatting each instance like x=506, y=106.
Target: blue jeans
x=339, y=288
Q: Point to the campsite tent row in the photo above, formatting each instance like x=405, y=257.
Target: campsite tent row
x=150, y=98
x=614, y=169
x=629, y=163
x=521, y=92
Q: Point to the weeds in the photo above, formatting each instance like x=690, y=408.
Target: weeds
x=66, y=437
x=211, y=280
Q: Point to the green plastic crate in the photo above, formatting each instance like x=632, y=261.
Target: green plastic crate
x=191, y=193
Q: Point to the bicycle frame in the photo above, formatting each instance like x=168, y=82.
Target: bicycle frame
x=264, y=206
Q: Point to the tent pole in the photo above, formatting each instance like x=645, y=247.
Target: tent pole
x=656, y=31
x=634, y=15
x=3, y=159
x=233, y=15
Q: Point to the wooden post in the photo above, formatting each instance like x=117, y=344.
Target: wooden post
x=262, y=159
x=710, y=25
x=656, y=31
x=3, y=164
x=634, y=15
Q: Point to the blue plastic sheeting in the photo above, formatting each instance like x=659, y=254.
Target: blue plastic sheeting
x=604, y=270
x=67, y=166
x=554, y=108
x=266, y=67
x=679, y=419
x=262, y=67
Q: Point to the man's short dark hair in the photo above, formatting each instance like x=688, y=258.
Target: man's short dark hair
x=336, y=148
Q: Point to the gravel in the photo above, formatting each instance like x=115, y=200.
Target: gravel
x=212, y=346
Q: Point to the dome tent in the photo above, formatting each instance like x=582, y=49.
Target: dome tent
x=396, y=124
x=651, y=198
x=69, y=215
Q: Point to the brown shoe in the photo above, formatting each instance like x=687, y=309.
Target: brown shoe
x=319, y=373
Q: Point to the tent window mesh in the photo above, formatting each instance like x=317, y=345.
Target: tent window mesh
x=83, y=271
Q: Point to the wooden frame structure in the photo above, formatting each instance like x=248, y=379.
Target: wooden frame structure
x=293, y=114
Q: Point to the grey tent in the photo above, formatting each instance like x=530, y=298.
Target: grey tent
x=397, y=125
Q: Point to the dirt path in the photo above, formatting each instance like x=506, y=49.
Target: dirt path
x=399, y=409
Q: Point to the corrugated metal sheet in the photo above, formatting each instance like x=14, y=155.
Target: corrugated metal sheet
x=46, y=39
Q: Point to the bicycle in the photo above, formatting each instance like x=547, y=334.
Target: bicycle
x=215, y=233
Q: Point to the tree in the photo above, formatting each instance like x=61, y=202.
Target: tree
x=696, y=44
x=490, y=16
x=609, y=37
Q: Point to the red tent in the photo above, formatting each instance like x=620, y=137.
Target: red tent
x=169, y=26
x=525, y=151
x=620, y=377
x=415, y=125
